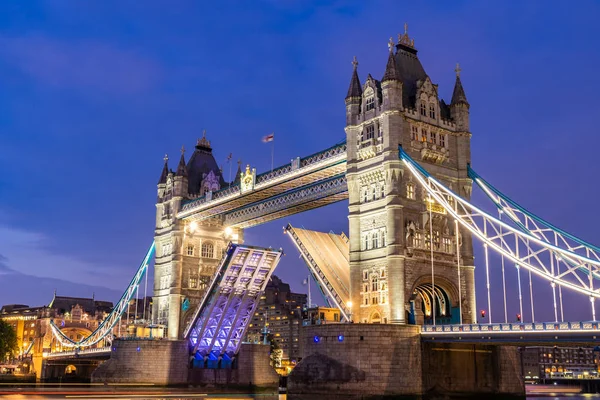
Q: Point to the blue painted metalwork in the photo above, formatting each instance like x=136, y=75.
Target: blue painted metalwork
x=222, y=317
x=104, y=330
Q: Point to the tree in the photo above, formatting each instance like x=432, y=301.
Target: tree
x=8, y=340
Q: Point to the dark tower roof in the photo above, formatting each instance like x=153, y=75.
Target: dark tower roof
x=391, y=70
x=238, y=173
x=165, y=171
x=181, y=168
x=355, y=89
x=202, y=162
x=458, y=96
x=409, y=67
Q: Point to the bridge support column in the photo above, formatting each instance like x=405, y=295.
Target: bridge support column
x=390, y=360
x=457, y=369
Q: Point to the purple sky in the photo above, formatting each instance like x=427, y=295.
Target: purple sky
x=93, y=95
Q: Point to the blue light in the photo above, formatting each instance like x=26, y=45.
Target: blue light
x=138, y=349
x=340, y=338
x=316, y=339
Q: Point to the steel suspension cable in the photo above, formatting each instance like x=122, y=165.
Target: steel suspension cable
x=519, y=281
x=487, y=275
x=530, y=282
x=458, y=268
x=503, y=274
x=431, y=248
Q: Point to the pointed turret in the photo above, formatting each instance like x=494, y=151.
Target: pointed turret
x=165, y=171
x=459, y=96
x=181, y=168
x=238, y=173
x=459, y=106
x=391, y=83
x=355, y=89
x=391, y=70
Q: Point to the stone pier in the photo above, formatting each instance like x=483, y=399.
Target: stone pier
x=167, y=363
x=390, y=360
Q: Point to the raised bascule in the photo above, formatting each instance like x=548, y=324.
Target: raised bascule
x=404, y=274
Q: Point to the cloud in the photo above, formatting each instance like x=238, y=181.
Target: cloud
x=25, y=252
x=81, y=65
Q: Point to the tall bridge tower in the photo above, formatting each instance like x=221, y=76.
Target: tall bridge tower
x=187, y=252
x=392, y=222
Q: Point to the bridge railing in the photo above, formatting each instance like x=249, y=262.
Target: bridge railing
x=266, y=178
x=534, y=327
x=74, y=353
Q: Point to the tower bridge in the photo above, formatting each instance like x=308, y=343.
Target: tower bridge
x=406, y=266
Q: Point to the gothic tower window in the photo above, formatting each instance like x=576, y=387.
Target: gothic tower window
x=431, y=110
x=365, y=194
x=383, y=245
x=447, y=245
x=382, y=187
x=375, y=240
x=418, y=240
x=193, y=282
x=370, y=131
x=374, y=283
x=207, y=250
x=410, y=191
x=423, y=110
x=370, y=103
x=374, y=191
x=423, y=134
x=442, y=140
x=432, y=136
x=365, y=242
x=414, y=133
x=190, y=250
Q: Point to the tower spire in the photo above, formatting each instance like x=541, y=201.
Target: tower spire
x=355, y=89
x=165, y=171
x=391, y=70
x=458, y=95
x=181, y=168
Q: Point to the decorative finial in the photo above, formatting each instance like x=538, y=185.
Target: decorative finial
x=239, y=163
x=457, y=70
x=404, y=39
x=166, y=158
x=355, y=62
x=391, y=44
x=204, y=134
x=182, y=150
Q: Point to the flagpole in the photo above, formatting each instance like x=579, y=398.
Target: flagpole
x=272, y=152
x=229, y=160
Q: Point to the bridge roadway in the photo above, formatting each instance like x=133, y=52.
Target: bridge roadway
x=517, y=334
x=305, y=183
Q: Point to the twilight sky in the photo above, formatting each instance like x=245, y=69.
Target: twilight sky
x=94, y=94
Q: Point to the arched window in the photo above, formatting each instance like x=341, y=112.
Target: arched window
x=208, y=250
x=370, y=103
x=423, y=109
x=365, y=194
x=410, y=191
x=382, y=188
x=374, y=190
x=375, y=240
x=374, y=283
x=431, y=110
x=383, y=238
x=190, y=250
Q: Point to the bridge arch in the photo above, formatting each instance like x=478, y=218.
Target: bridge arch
x=444, y=298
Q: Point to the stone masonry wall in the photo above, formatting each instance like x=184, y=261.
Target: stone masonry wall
x=161, y=362
x=455, y=369
x=253, y=370
x=371, y=360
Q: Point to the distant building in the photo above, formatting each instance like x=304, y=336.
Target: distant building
x=76, y=317
x=281, y=311
x=321, y=315
x=559, y=362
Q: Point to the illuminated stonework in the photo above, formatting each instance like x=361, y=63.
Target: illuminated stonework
x=393, y=226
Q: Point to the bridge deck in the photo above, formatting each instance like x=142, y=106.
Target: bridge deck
x=297, y=174
x=521, y=334
x=327, y=257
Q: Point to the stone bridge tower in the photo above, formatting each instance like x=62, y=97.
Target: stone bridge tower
x=187, y=251
x=389, y=215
